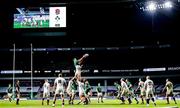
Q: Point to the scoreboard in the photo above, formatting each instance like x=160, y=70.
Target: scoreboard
x=40, y=17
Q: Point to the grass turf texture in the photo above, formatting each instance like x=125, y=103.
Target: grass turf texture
x=107, y=104
x=44, y=25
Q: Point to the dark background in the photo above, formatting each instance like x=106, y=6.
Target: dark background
x=96, y=24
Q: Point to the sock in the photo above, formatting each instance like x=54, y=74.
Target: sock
x=129, y=100
x=147, y=100
x=17, y=102
x=47, y=101
x=174, y=99
x=136, y=100
x=153, y=100
x=142, y=100
x=42, y=101
x=62, y=101
x=167, y=100
x=122, y=99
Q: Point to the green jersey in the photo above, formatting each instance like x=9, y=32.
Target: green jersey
x=74, y=85
x=9, y=90
x=118, y=87
x=99, y=89
x=87, y=88
x=129, y=86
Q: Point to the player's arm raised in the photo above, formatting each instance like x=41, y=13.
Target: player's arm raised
x=82, y=58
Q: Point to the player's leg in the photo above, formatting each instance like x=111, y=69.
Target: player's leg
x=142, y=99
x=173, y=96
x=48, y=98
x=18, y=97
x=98, y=97
x=44, y=95
x=167, y=97
x=147, y=97
x=88, y=96
x=62, y=97
x=135, y=97
x=72, y=98
x=54, y=99
x=9, y=97
x=122, y=97
x=128, y=94
x=152, y=98
x=142, y=96
x=102, y=98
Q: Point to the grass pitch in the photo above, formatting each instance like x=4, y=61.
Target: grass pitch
x=107, y=104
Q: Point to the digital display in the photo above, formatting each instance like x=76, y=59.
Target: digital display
x=40, y=17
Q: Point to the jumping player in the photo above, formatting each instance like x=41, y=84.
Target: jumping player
x=78, y=65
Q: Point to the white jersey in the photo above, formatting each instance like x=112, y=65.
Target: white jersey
x=60, y=82
x=81, y=88
x=78, y=68
x=148, y=84
x=124, y=85
x=46, y=87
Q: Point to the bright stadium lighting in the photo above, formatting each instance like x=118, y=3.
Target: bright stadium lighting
x=151, y=6
x=167, y=4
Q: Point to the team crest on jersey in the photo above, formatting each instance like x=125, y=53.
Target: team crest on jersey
x=57, y=11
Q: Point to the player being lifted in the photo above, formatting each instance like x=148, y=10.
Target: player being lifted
x=131, y=91
x=71, y=89
x=99, y=92
x=78, y=65
x=149, y=88
x=17, y=92
x=142, y=90
x=46, y=92
x=118, y=88
x=59, y=87
x=169, y=91
x=9, y=92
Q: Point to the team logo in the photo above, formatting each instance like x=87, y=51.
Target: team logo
x=57, y=11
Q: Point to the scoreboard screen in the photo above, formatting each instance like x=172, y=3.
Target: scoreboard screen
x=40, y=17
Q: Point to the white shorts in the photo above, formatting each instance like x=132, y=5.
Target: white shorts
x=169, y=92
x=81, y=93
x=125, y=92
x=149, y=92
x=99, y=94
x=77, y=73
x=59, y=91
x=46, y=94
x=10, y=94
